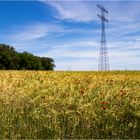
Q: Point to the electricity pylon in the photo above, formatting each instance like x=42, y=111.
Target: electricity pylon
x=103, y=56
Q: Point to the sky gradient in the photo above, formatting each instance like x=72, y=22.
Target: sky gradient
x=70, y=32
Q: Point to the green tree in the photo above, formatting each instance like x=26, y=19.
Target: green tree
x=29, y=62
x=47, y=63
x=12, y=60
x=8, y=57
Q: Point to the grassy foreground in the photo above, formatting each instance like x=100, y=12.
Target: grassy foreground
x=36, y=104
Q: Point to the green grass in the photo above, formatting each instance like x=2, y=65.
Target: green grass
x=69, y=105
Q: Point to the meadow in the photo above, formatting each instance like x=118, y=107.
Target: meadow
x=69, y=105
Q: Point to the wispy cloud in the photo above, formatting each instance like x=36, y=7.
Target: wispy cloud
x=76, y=43
x=35, y=31
x=73, y=10
x=123, y=11
x=84, y=55
x=29, y=33
x=86, y=11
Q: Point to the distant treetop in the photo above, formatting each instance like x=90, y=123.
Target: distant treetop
x=12, y=60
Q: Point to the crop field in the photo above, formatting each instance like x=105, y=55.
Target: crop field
x=69, y=105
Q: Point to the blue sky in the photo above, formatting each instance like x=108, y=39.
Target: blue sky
x=69, y=31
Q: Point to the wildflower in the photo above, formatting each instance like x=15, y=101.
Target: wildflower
x=82, y=91
x=121, y=90
x=103, y=108
x=104, y=102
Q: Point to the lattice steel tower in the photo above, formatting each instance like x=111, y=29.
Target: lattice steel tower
x=103, y=56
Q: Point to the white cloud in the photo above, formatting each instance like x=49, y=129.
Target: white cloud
x=86, y=11
x=78, y=49
x=83, y=55
x=123, y=11
x=77, y=64
x=35, y=31
x=86, y=43
x=73, y=10
x=31, y=33
x=81, y=51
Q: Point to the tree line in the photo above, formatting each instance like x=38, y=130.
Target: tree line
x=12, y=60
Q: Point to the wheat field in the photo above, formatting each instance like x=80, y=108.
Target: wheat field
x=69, y=105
